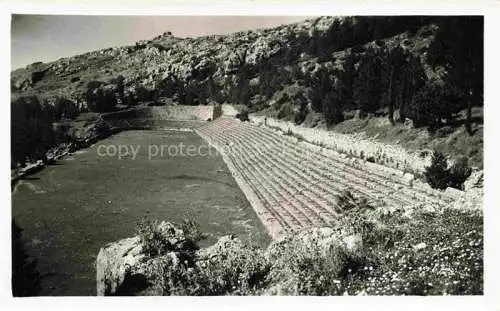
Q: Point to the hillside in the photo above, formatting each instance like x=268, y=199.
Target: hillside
x=167, y=58
x=326, y=72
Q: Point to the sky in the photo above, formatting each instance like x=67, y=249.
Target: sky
x=49, y=37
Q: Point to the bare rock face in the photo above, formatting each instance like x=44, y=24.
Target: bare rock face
x=114, y=263
x=263, y=48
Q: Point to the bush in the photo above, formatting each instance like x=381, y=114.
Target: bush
x=65, y=109
x=459, y=172
x=119, y=82
x=160, y=238
x=367, y=86
x=243, y=115
x=439, y=176
x=300, y=116
x=216, y=112
x=231, y=267
x=310, y=272
x=286, y=111
x=332, y=108
x=143, y=94
x=347, y=202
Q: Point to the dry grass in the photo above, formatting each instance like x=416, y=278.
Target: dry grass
x=454, y=142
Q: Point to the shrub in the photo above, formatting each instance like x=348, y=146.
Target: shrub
x=143, y=94
x=231, y=267
x=286, y=111
x=160, y=238
x=119, y=82
x=243, y=115
x=65, y=109
x=347, y=202
x=310, y=266
x=332, y=108
x=300, y=116
x=437, y=174
x=227, y=267
x=216, y=112
x=168, y=277
x=459, y=172
x=367, y=88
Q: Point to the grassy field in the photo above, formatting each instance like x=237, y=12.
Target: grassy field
x=69, y=210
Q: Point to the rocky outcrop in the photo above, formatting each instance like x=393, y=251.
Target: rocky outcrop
x=114, y=263
x=137, y=265
x=227, y=267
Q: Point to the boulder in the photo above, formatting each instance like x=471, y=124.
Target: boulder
x=114, y=264
x=408, y=178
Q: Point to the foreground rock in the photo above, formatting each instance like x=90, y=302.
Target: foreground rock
x=359, y=253
x=228, y=266
x=113, y=265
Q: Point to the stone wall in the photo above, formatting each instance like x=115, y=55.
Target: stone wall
x=390, y=155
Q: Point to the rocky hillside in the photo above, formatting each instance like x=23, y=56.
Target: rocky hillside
x=407, y=69
x=167, y=63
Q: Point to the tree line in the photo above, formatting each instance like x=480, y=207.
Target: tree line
x=382, y=80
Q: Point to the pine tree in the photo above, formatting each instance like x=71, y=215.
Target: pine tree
x=367, y=88
x=395, y=60
x=458, y=47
